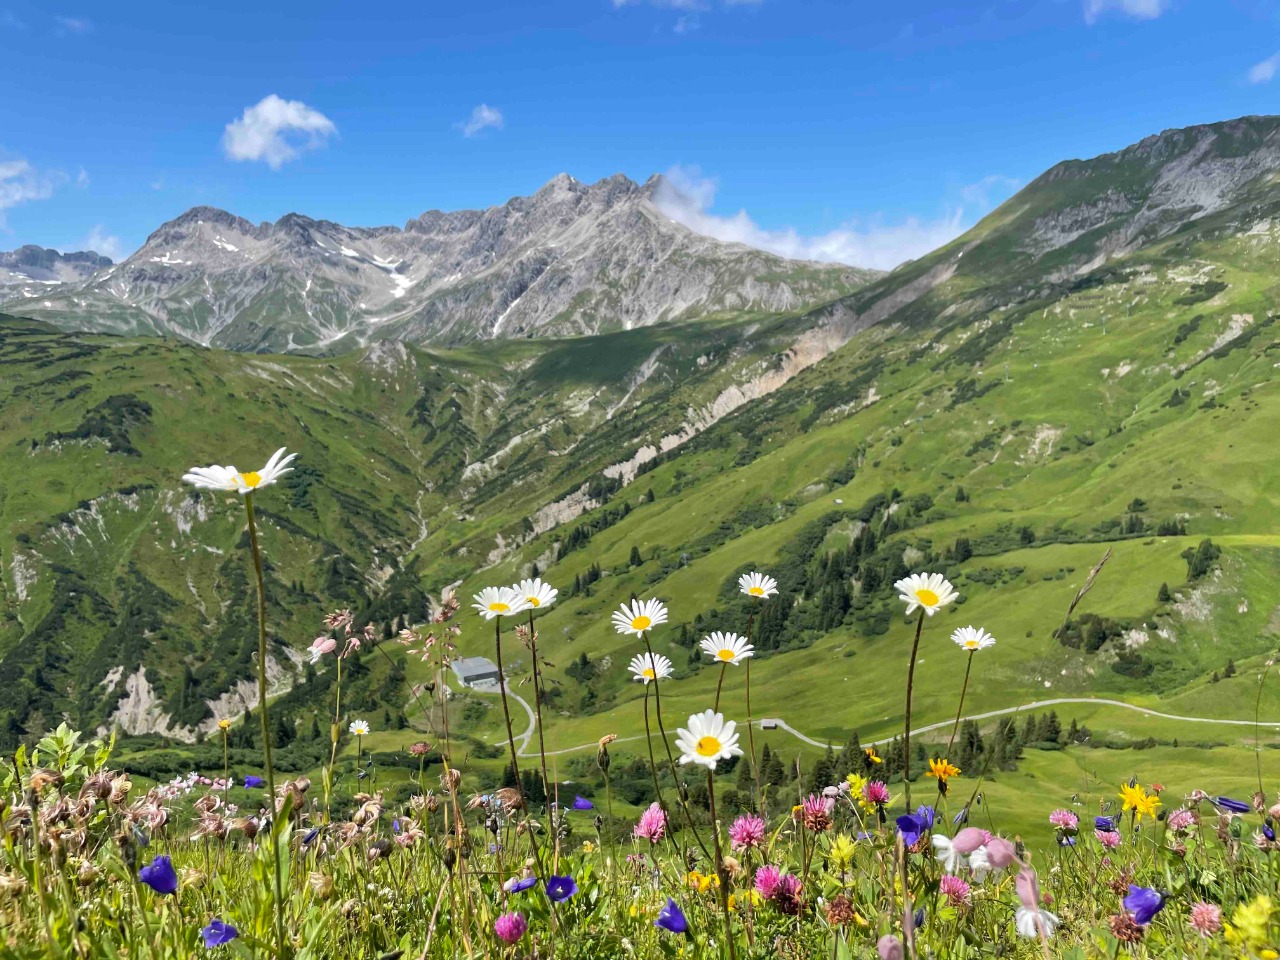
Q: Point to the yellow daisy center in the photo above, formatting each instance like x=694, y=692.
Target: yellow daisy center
x=250, y=479
x=648, y=673
x=498, y=607
x=724, y=653
x=707, y=746
x=756, y=591
x=641, y=623
x=534, y=601
x=927, y=597
x=971, y=644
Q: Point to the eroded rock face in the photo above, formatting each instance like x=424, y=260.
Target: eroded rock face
x=572, y=259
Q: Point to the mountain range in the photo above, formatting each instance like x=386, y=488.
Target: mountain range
x=572, y=259
x=1091, y=368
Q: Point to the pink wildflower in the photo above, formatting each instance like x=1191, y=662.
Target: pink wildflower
x=320, y=646
x=969, y=839
x=1108, y=838
x=652, y=825
x=1064, y=820
x=510, y=927
x=767, y=880
x=875, y=791
x=815, y=812
x=1206, y=918
x=787, y=896
x=1182, y=820
x=954, y=889
x=1001, y=853
x=747, y=832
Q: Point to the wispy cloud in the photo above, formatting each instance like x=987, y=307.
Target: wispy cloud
x=686, y=196
x=1135, y=9
x=1265, y=71
x=100, y=241
x=21, y=183
x=276, y=131
x=73, y=26
x=482, y=117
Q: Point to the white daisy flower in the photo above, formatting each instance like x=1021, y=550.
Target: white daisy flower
x=952, y=860
x=1025, y=921
x=758, y=585
x=638, y=616
x=499, y=602
x=708, y=739
x=359, y=727
x=536, y=593
x=229, y=478
x=645, y=667
x=726, y=647
x=973, y=638
x=927, y=591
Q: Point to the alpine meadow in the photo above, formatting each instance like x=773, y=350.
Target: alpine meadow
x=558, y=579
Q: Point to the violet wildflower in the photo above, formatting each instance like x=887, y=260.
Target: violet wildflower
x=672, y=919
x=218, y=933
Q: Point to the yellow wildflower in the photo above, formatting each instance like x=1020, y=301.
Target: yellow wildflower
x=872, y=756
x=943, y=769
x=1250, y=922
x=841, y=853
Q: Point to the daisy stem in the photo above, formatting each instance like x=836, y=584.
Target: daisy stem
x=960, y=706
x=506, y=709
x=653, y=767
x=720, y=683
x=722, y=887
x=537, y=710
x=657, y=706
x=751, y=736
x=255, y=549
x=906, y=733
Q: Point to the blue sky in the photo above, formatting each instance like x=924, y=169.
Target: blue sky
x=840, y=129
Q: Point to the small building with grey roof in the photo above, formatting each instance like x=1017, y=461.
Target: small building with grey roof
x=474, y=671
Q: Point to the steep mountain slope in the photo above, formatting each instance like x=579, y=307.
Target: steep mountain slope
x=1005, y=426
x=571, y=259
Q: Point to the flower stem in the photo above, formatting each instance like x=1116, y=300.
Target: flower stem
x=281, y=943
x=722, y=887
x=960, y=706
x=751, y=736
x=537, y=710
x=906, y=733
x=506, y=709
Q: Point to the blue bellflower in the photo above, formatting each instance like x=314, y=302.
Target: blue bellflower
x=160, y=876
x=560, y=889
x=672, y=919
x=1144, y=903
x=218, y=933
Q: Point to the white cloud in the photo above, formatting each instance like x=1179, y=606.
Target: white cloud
x=482, y=117
x=1265, y=71
x=1137, y=9
x=21, y=183
x=686, y=196
x=73, y=25
x=82, y=178
x=276, y=131
x=99, y=241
